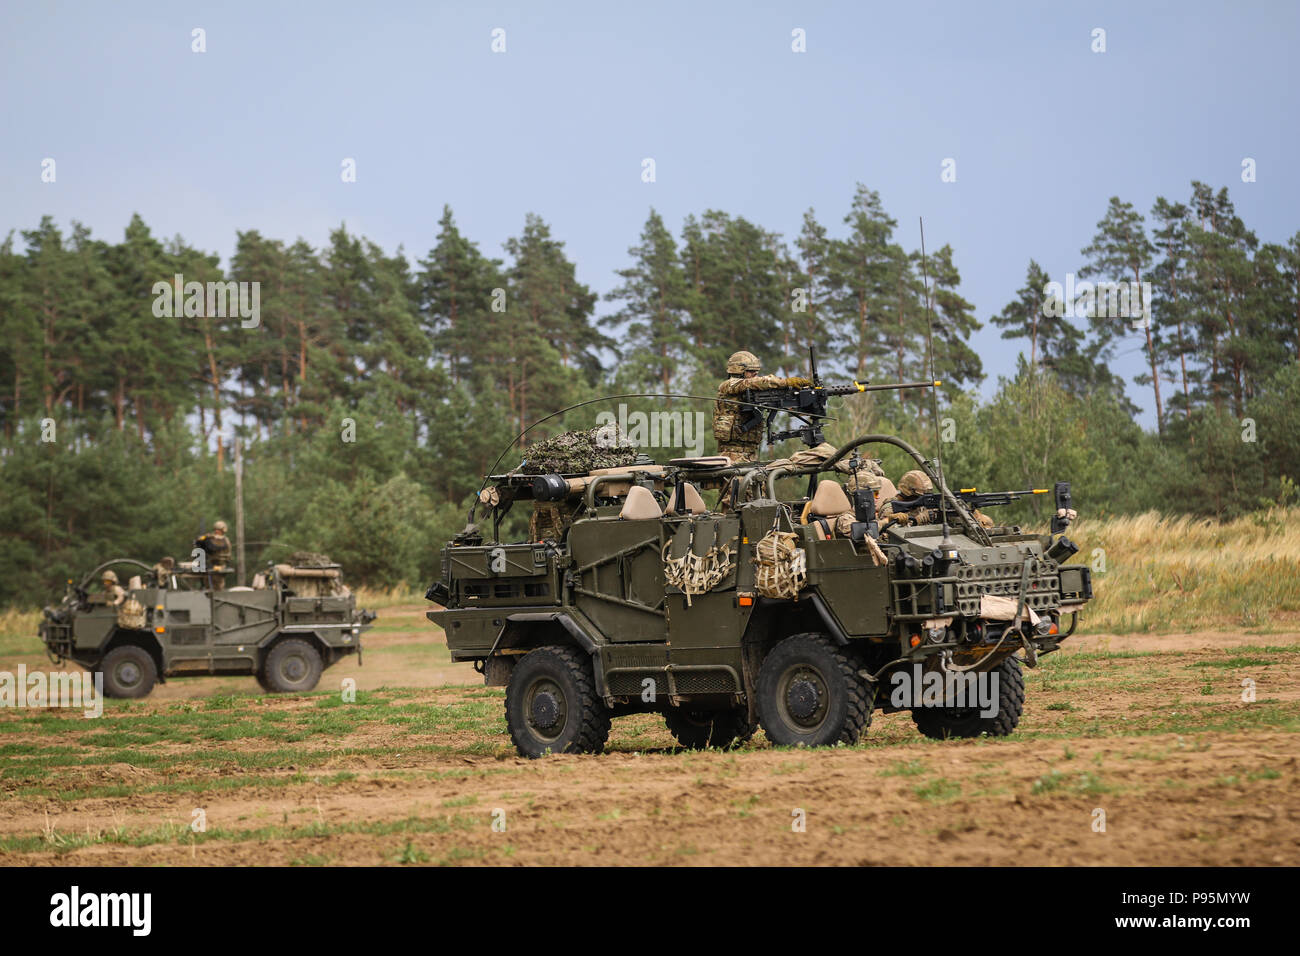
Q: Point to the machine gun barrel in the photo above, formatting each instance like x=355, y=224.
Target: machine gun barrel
x=856, y=387
x=968, y=496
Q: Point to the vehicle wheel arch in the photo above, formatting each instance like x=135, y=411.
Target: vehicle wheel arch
x=138, y=638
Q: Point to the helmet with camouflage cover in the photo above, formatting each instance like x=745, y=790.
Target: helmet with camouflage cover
x=109, y=576
x=742, y=362
x=219, y=527
x=914, y=483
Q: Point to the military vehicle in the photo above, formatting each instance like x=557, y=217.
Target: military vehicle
x=297, y=619
x=801, y=613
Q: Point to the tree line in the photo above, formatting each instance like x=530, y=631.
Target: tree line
x=374, y=390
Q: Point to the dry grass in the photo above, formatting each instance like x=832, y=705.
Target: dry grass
x=1186, y=574
x=377, y=598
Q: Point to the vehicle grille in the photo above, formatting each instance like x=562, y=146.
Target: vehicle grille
x=1043, y=590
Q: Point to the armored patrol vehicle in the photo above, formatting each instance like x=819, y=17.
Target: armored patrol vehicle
x=297, y=619
x=795, y=609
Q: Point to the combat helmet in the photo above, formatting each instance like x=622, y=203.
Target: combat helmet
x=914, y=483
x=742, y=362
x=109, y=576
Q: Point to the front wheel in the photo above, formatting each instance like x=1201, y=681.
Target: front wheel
x=129, y=672
x=944, y=722
x=552, y=706
x=810, y=693
x=293, y=667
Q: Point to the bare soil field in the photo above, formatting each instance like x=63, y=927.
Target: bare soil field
x=1148, y=732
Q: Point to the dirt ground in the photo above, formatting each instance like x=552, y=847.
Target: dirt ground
x=1147, y=734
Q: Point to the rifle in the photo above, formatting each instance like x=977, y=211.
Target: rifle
x=973, y=499
x=806, y=403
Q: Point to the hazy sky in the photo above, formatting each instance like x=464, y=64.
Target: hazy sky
x=251, y=133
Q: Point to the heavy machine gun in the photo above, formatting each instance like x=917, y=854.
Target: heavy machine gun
x=804, y=403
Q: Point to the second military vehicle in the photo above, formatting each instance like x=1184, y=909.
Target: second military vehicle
x=799, y=612
x=297, y=619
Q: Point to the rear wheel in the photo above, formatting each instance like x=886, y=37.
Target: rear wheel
x=696, y=730
x=944, y=722
x=129, y=672
x=810, y=693
x=552, y=706
x=293, y=667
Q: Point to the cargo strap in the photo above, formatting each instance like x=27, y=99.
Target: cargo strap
x=693, y=573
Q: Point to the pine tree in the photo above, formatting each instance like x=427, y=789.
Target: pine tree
x=653, y=317
x=1121, y=252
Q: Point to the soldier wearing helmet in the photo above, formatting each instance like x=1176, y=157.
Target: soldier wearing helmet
x=737, y=443
x=217, y=548
x=910, y=486
x=114, y=593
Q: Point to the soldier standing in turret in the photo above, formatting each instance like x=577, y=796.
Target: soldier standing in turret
x=217, y=548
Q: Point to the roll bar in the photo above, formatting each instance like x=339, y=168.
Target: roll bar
x=971, y=526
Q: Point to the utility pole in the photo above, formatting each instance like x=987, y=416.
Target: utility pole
x=239, y=512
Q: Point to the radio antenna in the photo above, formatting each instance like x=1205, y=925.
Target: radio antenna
x=946, y=543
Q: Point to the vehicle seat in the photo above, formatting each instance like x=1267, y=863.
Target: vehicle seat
x=694, y=503
x=887, y=492
x=640, y=505
x=828, y=503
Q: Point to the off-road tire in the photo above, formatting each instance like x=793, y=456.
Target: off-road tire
x=292, y=667
x=129, y=672
x=697, y=730
x=945, y=722
x=579, y=721
x=810, y=672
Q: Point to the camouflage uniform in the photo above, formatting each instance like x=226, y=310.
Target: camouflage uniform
x=918, y=483
x=911, y=485
x=867, y=476
x=163, y=570
x=114, y=593
x=741, y=445
x=548, y=522
x=217, y=547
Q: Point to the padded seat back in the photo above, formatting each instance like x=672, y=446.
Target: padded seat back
x=694, y=503
x=640, y=505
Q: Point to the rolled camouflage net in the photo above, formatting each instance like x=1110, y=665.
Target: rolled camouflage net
x=578, y=452
x=780, y=565
x=131, y=614
x=310, y=559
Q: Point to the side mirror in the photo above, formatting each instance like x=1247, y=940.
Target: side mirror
x=1063, y=503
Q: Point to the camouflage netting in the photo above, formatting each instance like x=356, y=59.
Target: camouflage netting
x=310, y=559
x=578, y=452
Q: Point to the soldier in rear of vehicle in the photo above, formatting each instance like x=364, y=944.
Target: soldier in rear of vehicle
x=737, y=442
x=548, y=522
x=217, y=548
x=163, y=571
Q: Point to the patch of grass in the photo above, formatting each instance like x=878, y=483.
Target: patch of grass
x=938, y=790
x=1231, y=663
x=409, y=854
x=1086, y=783
x=905, y=768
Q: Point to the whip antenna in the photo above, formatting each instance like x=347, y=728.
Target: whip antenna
x=946, y=543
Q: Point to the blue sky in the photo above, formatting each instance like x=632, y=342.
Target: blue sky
x=251, y=133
